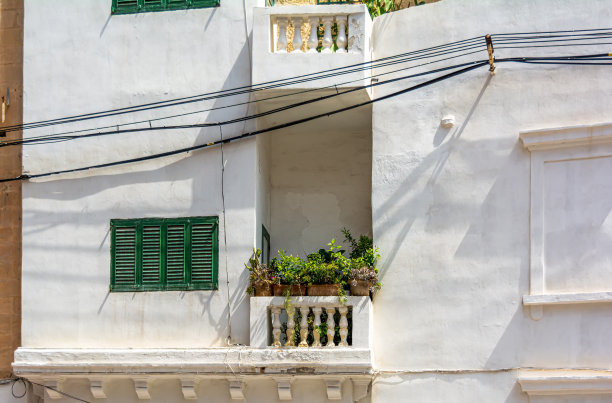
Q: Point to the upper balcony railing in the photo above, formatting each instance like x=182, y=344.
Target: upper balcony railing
x=293, y=41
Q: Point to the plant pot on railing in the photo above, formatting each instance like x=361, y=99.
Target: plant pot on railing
x=263, y=290
x=323, y=290
x=360, y=288
x=294, y=290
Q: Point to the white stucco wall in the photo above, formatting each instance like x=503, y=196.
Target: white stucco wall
x=451, y=207
x=320, y=177
x=6, y=396
x=98, y=61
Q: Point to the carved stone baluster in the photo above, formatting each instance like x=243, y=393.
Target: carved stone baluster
x=282, y=35
x=290, y=326
x=343, y=326
x=327, y=36
x=297, y=34
x=276, y=325
x=331, y=327
x=313, y=40
x=304, y=326
x=317, y=327
x=341, y=38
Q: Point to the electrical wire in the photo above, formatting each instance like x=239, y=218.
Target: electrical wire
x=59, y=137
x=463, y=45
x=60, y=134
x=253, y=133
x=453, y=46
x=441, y=49
x=558, y=60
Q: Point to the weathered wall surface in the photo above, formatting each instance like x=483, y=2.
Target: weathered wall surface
x=11, y=62
x=320, y=183
x=451, y=207
x=99, y=61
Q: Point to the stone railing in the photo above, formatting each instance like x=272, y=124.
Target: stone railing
x=318, y=322
x=309, y=25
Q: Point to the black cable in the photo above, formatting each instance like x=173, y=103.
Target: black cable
x=54, y=135
x=465, y=43
x=57, y=138
x=25, y=388
x=244, y=89
x=58, y=391
x=254, y=133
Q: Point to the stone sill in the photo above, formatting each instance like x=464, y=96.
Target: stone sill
x=567, y=299
x=236, y=360
x=565, y=382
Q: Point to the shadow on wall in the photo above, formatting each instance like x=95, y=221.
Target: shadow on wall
x=435, y=161
x=189, y=168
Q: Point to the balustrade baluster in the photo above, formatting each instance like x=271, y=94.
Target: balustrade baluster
x=297, y=34
x=290, y=326
x=304, y=326
x=341, y=38
x=331, y=327
x=327, y=36
x=313, y=39
x=343, y=326
x=316, y=333
x=276, y=325
x=282, y=35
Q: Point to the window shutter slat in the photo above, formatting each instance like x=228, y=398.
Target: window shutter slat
x=202, y=259
x=125, y=256
x=175, y=255
x=151, y=253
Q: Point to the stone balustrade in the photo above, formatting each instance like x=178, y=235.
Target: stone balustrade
x=307, y=37
x=318, y=322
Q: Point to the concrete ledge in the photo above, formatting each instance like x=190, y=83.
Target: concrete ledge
x=565, y=382
x=572, y=136
x=565, y=299
x=235, y=360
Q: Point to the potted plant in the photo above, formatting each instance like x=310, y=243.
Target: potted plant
x=363, y=277
x=289, y=270
x=261, y=277
x=326, y=271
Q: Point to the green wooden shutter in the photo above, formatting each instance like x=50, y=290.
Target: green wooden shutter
x=204, y=256
x=151, y=254
x=153, y=5
x=124, y=257
x=124, y=6
x=175, y=254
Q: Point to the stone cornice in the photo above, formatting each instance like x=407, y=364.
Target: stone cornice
x=562, y=137
x=235, y=360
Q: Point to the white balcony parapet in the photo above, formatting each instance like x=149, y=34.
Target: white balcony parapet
x=290, y=41
x=300, y=322
x=310, y=22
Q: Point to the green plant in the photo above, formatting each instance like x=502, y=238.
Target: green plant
x=259, y=273
x=289, y=268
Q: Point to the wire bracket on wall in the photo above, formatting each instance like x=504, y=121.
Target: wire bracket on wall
x=491, y=56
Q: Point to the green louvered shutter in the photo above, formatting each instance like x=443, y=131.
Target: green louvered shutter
x=124, y=6
x=153, y=5
x=204, y=256
x=175, y=254
x=124, y=257
x=151, y=254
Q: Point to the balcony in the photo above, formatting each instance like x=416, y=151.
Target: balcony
x=342, y=363
x=290, y=41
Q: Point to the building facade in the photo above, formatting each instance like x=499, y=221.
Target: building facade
x=488, y=195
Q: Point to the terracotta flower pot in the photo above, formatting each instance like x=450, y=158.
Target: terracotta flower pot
x=263, y=290
x=323, y=290
x=295, y=290
x=360, y=287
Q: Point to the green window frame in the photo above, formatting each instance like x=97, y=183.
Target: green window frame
x=156, y=254
x=139, y=6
